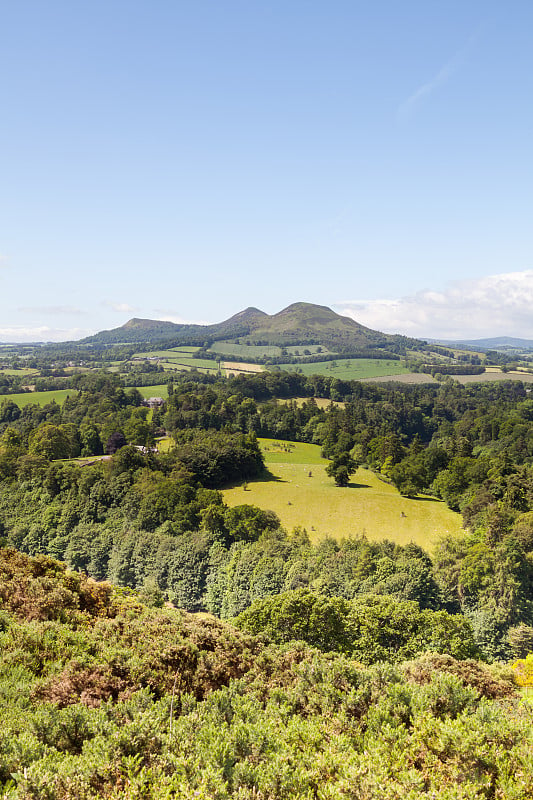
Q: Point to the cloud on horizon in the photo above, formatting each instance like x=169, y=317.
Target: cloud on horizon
x=166, y=315
x=495, y=305
x=42, y=333
x=121, y=308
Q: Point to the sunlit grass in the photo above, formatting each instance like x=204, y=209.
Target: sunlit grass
x=301, y=493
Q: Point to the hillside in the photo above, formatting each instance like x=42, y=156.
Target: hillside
x=299, y=323
x=103, y=696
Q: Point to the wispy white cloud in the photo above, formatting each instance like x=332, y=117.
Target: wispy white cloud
x=122, y=308
x=167, y=315
x=407, y=108
x=495, y=305
x=42, y=333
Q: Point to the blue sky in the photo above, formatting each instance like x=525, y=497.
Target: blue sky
x=185, y=160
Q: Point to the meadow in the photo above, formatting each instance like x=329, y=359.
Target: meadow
x=40, y=398
x=60, y=395
x=180, y=352
x=186, y=364
x=154, y=391
x=301, y=494
x=265, y=350
x=180, y=359
x=25, y=372
x=348, y=368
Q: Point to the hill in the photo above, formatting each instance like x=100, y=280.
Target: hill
x=299, y=323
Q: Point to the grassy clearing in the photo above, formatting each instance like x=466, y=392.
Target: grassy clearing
x=165, y=444
x=154, y=391
x=349, y=368
x=321, y=402
x=367, y=506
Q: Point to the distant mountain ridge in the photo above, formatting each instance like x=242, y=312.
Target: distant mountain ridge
x=491, y=343
x=299, y=323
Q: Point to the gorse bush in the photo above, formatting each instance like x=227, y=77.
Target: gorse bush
x=125, y=701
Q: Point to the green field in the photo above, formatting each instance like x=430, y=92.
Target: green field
x=367, y=506
x=39, y=398
x=179, y=352
x=59, y=395
x=247, y=350
x=348, y=368
x=26, y=372
x=264, y=350
x=154, y=391
x=184, y=365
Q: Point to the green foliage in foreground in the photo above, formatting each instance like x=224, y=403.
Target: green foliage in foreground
x=103, y=697
x=369, y=628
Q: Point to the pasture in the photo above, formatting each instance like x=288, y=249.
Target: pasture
x=171, y=352
x=245, y=350
x=184, y=364
x=301, y=493
x=40, y=398
x=265, y=350
x=59, y=395
x=348, y=369
x=25, y=372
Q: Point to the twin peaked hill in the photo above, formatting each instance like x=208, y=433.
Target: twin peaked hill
x=299, y=323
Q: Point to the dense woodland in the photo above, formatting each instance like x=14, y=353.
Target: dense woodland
x=83, y=662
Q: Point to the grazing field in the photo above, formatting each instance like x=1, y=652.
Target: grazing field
x=190, y=363
x=40, y=398
x=246, y=350
x=20, y=373
x=366, y=506
x=179, y=352
x=349, y=369
x=59, y=395
x=265, y=350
